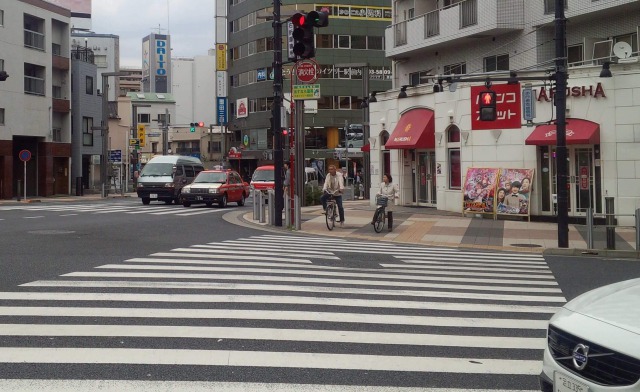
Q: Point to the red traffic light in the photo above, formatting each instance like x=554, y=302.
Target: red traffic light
x=201, y=124
x=299, y=19
x=487, y=98
x=488, y=109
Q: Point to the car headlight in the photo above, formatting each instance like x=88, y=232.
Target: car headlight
x=169, y=185
x=213, y=190
x=186, y=190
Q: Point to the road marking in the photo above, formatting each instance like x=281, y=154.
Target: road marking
x=304, y=289
x=230, y=257
x=68, y=215
x=447, y=266
x=224, y=262
x=240, y=314
x=34, y=217
x=249, y=246
x=262, y=278
x=268, y=359
x=207, y=251
x=383, y=274
x=208, y=211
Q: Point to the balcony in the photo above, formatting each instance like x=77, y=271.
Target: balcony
x=61, y=63
x=61, y=105
x=455, y=24
x=34, y=39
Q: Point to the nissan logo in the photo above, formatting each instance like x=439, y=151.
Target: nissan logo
x=580, y=356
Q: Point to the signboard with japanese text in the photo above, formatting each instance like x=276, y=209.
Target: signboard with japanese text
x=356, y=12
x=507, y=104
x=221, y=57
x=306, y=91
x=221, y=106
x=221, y=83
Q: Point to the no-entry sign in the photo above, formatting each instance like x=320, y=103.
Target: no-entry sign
x=307, y=71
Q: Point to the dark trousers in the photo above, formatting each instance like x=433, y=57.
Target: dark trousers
x=338, y=199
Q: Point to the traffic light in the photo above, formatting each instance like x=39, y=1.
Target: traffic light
x=195, y=125
x=318, y=18
x=142, y=134
x=303, y=39
x=488, y=111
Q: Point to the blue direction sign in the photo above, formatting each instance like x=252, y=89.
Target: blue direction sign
x=222, y=110
x=115, y=156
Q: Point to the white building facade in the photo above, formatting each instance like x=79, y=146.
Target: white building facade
x=427, y=141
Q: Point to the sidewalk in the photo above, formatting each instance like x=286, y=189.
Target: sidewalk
x=428, y=226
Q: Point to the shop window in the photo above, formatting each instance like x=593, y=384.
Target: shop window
x=358, y=42
x=344, y=103
x=325, y=102
x=343, y=41
x=375, y=43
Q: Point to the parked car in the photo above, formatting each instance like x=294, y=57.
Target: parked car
x=164, y=177
x=355, y=140
x=215, y=186
x=593, y=342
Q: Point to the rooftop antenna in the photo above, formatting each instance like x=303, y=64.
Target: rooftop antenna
x=159, y=29
x=168, y=13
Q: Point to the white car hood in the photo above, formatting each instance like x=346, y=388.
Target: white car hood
x=205, y=185
x=616, y=304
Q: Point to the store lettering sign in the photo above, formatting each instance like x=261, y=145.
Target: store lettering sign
x=575, y=91
x=161, y=54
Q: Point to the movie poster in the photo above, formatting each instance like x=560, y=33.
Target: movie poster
x=514, y=191
x=479, y=190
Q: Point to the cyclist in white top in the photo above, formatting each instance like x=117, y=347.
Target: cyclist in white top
x=333, y=185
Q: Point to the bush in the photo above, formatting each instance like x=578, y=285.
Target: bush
x=312, y=195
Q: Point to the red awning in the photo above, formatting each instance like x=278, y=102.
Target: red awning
x=366, y=148
x=416, y=129
x=578, y=132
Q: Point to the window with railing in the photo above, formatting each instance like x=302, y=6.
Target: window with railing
x=432, y=23
x=550, y=6
x=400, y=32
x=33, y=85
x=87, y=132
x=33, y=39
x=468, y=13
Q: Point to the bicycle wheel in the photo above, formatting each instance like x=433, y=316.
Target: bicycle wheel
x=378, y=220
x=331, y=216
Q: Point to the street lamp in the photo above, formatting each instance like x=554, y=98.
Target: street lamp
x=104, y=127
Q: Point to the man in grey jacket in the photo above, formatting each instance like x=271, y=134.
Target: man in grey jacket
x=334, y=185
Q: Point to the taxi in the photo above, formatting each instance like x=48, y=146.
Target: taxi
x=215, y=186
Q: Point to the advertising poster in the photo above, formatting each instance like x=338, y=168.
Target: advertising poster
x=479, y=190
x=514, y=191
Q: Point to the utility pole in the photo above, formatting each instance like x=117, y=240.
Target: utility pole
x=104, y=127
x=165, y=132
x=276, y=110
x=561, y=125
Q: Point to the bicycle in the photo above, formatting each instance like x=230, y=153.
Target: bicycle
x=332, y=212
x=380, y=214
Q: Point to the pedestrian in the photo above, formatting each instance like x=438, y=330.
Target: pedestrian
x=391, y=191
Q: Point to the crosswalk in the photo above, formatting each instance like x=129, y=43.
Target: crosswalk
x=294, y=311
x=110, y=208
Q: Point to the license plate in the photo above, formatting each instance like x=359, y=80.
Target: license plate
x=153, y=196
x=563, y=383
x=198, y=197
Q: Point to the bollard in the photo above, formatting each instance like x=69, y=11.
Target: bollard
x=638, y=229
x=272, y=208
x=589, y=228
x=262, y=207
x=610, y=222
x=297, y=207
x=256, y=206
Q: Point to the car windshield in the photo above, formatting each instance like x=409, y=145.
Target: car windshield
x=211, y=177
x=263, y=175
x=157, y=169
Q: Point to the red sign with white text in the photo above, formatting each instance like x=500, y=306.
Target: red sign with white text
x=306, y=70
x=507, y=104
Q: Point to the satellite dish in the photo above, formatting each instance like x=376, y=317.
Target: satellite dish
x=622, y=50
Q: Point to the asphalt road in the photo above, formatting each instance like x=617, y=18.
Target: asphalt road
x=121, y=296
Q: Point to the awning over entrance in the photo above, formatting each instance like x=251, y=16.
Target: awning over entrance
x=366, y=148
x=416, y=129
x=578, y=132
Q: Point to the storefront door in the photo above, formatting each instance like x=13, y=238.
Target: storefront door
x=583, y=182
x=425, y=179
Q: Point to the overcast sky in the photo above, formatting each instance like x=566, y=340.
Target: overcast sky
x=190, y=22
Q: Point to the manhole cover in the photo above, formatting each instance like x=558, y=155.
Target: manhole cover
x=527, y=245
x=49, y=232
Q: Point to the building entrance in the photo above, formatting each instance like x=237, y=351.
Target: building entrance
x=424, y=181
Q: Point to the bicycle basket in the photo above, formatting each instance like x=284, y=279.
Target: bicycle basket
x=381, y=200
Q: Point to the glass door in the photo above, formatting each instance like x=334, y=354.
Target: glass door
x=582, y=181
x=425, y=178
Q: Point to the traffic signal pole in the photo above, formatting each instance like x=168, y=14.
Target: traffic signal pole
x=561, y=126
x=277, y=110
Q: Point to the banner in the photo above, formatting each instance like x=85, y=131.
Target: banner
x=514, y=191
x=479, y=190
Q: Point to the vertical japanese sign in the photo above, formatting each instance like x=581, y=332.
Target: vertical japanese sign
x=221, y=57
x=507, y=104
x=222, y=110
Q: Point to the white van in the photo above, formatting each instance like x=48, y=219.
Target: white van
x=164, y=176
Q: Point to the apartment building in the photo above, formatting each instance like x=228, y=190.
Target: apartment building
x=426, y=131
x=106, y=52
x=35, y=101
x=353, y=42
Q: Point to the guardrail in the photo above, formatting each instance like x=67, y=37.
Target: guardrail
x=610, y=225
